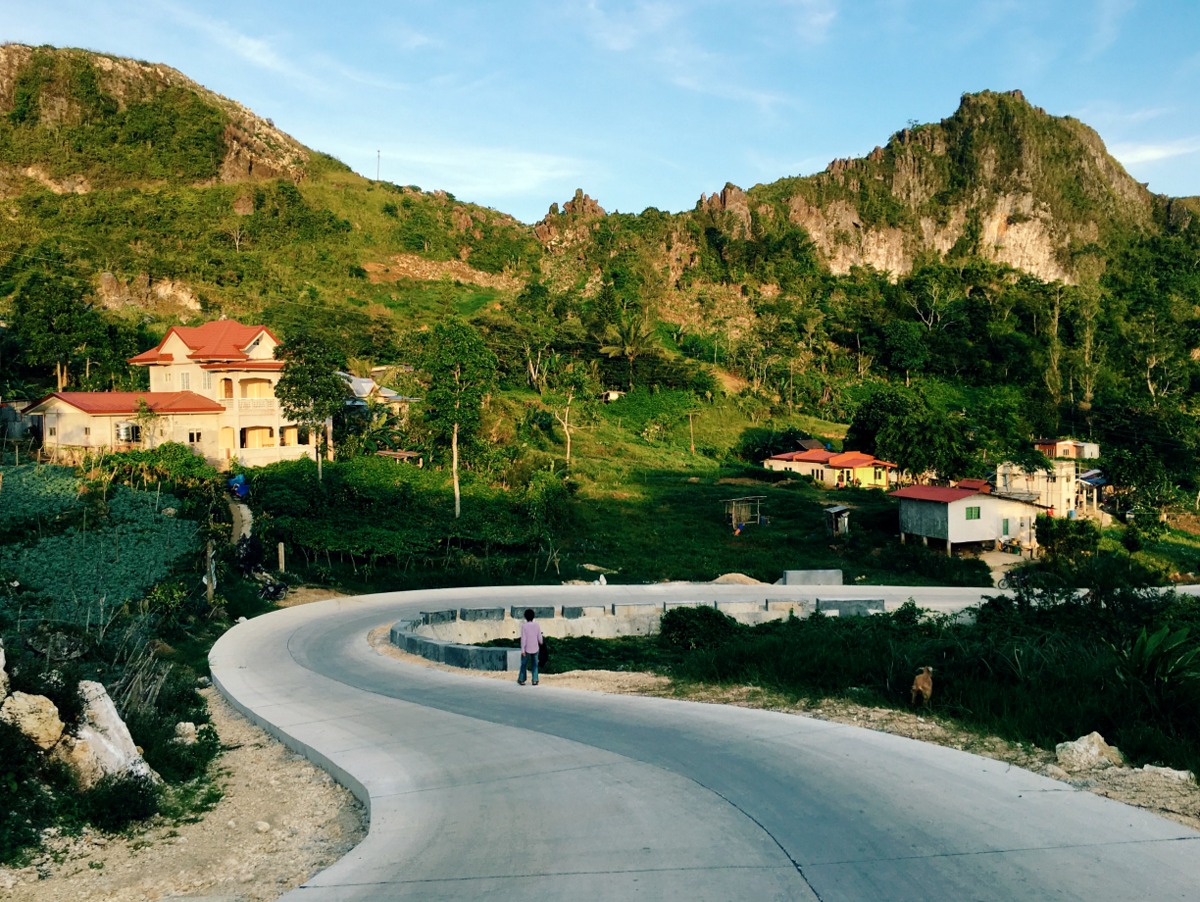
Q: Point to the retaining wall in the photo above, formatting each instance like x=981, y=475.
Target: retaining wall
x=451, y=636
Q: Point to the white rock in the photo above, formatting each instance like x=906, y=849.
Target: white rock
x=1054, y=772
x=3, y=673
x=185, y=733
x=35, y=716
x=1184, y=776
x=1088, y=752
x=262, y=827
x=102, y=745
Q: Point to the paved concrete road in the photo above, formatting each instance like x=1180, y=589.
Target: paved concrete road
x=480, y=789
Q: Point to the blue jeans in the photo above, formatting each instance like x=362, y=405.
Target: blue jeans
x=529, y=660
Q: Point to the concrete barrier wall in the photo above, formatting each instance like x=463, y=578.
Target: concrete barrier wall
x=451, y=636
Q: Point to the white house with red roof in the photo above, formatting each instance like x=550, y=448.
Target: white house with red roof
x=211, y=387
x=836, y=469
x=958, y=515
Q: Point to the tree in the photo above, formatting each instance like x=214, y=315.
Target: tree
x=631, y=337
x=904, y=341
x=569, y=383
x=461, y=371
x=309, y=389
x=54, y=324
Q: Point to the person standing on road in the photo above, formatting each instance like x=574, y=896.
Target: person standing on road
x=531, y=643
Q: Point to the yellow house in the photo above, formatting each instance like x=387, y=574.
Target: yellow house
x=837, y=469
x=211, y=387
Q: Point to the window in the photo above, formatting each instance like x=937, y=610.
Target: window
x=167, y=377
x=53, y=431
x=1004, y=527
x=87, y=430
x=879, y=474
x=185, y=381
x=194, y=437
x=207, y=380
x=972, y=513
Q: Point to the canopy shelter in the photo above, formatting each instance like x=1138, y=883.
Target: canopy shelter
x=744, y=511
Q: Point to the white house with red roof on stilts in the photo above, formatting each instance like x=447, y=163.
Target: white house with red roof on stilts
x=212, y=387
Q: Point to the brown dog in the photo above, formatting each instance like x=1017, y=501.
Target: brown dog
x=923, y=685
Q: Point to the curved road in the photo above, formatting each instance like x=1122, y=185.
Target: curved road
x=480, y=789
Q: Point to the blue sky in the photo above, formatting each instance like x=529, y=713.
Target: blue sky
x=650, y=103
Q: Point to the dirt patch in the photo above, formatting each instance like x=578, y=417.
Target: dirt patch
x=412, y=266
x=306, y=595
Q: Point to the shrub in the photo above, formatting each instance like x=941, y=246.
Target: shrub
x=26, y=805
x=698, y=628
x=119, y=800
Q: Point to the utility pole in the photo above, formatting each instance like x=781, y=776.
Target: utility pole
x=377, y=165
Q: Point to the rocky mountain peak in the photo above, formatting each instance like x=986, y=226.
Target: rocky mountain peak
x=43, y=87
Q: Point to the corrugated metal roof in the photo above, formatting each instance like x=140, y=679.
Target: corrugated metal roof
x=938, y=493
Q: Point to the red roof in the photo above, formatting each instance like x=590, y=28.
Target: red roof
x=979, y=485
x=837, y=460
x=126, y=402
x=222, y=339
x=937, y=493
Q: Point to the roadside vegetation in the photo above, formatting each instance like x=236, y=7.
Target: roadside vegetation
x=1043, y=668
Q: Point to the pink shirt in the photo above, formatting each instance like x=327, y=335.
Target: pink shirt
x=531, y=637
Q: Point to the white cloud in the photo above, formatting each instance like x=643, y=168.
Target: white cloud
x=1107, y=25
x=255, y=51
x=814, y=19
x=473, y=171
x=620, y=30
x=1133, y=154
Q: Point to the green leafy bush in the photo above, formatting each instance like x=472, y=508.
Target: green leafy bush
x=694, y=628
x=119, y=800
x=26, y=803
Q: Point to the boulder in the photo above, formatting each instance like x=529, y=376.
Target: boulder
x=185, y=733
x=1184, y=776
x=102, y=744
x=3, y=674
x=35, y=716
x=1087, y=753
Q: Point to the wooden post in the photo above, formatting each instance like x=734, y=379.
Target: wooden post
x=210, y=583
x=282, y=568
x=692, y=431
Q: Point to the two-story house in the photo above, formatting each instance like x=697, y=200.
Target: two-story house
x=1052, y=489
x=211, y=387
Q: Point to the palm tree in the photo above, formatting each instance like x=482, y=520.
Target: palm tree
x=631, y=336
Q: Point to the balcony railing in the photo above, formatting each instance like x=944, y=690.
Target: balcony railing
x=261, y=404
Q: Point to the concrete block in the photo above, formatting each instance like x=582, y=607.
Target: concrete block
x=668, y=605
x=517, y=612
x=635, y=609
x=850, y=607
x=740, y=607
x=812, y=577
x=428, y=617
x=802, y=607
x=471, y=614
x=577, y=611
x=471, y=657
x=512, y=659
